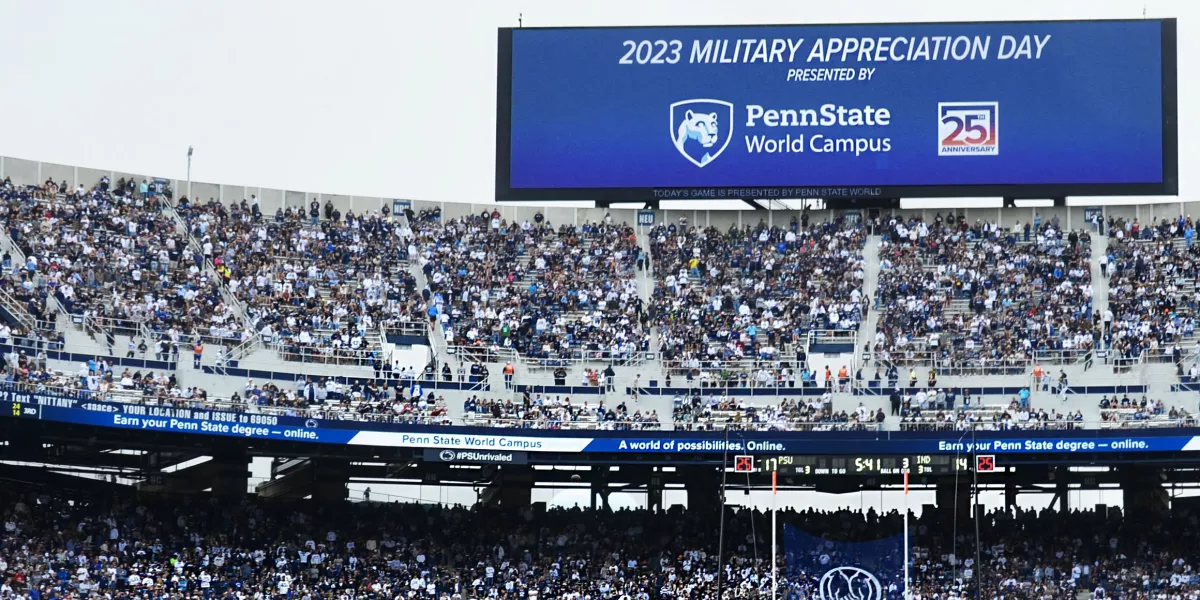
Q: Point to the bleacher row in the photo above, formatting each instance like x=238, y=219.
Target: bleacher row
x=320, y=286
x=409, y=396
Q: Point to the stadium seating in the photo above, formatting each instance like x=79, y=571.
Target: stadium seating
x=110, y=255
x=182, y=548
x=752, y=293
x=543, y=412
x=541, y=291
x=1152, y=287
x=736, y=313
x=323, y=288
x=976, y=298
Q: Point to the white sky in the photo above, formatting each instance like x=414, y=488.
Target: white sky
x=391, y=99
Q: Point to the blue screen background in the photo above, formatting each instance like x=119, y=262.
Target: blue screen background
x=1088, y=111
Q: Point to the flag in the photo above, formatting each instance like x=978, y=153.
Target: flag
x=825, y=569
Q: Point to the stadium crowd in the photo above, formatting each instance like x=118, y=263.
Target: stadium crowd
x=63, y=546
x=540, y=411
x=109, y=253
x=544, y=292
x=712, y=413
x=750, y=292
x=1152, y=286
x=974, y=297
x=320, y=288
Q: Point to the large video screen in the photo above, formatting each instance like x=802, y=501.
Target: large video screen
x=1021, y=109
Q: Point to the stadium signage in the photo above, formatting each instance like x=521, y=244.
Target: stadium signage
x=860, y=111
x=476, y=457
x=484, y=444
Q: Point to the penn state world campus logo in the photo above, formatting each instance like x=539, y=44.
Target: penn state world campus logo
x=701, y=129
x=850, y=583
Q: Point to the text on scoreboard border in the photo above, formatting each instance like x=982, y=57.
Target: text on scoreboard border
x=939, y=146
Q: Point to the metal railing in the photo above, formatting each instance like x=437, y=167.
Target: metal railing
x=587, y=424
x=1032, y=425
x=483, y=354
x=583, y=358
x=765, y=373
x=405, y=327
x=833, y=336
x=951, y=366
x=95, y=326
x=707, y=424
x=17, y=310
x=292, y=351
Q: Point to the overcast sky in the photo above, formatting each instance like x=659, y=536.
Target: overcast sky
x=367, y=98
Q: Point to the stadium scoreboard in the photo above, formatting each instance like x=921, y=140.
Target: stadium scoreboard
x=920, y=464
x=867, y=111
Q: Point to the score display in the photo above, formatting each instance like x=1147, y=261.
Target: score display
x=922, y=464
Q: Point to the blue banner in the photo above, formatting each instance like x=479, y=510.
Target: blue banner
x=867, y=445
x=838, y=570
x=951, y=109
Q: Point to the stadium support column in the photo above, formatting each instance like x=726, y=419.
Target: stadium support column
x=703, y=486
x=508, y=486
x=516, y=489
x=954, y=497
x=231, y=473
x=598, y=487
x=654, y=491
x=1143, y=492
x=330, y=479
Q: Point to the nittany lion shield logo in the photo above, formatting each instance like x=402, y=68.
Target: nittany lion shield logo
x=701, y=129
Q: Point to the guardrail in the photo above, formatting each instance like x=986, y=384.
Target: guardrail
x=919, y=355
x=320, y=354
x=1046, y=425
x=17, y=309
x=752, y=373
x=95, y=325
x=584, y=424
x=584, y=358
x=718, y=425
x=406, y=328
x=483, y=354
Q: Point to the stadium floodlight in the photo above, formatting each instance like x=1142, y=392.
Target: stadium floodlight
x=189, y=171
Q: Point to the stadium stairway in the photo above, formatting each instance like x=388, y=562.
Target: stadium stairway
x=437, y=337
x=7, y=244
x=1099, y=281
x=645, y=282
x=209, y=269
x=866, y=332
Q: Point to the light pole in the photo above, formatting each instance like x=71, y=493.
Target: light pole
x=189, y=174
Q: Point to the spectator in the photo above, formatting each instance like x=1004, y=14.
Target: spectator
x=542, y=292
x=975, y=298
x=323, y=290
x=751, y=293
